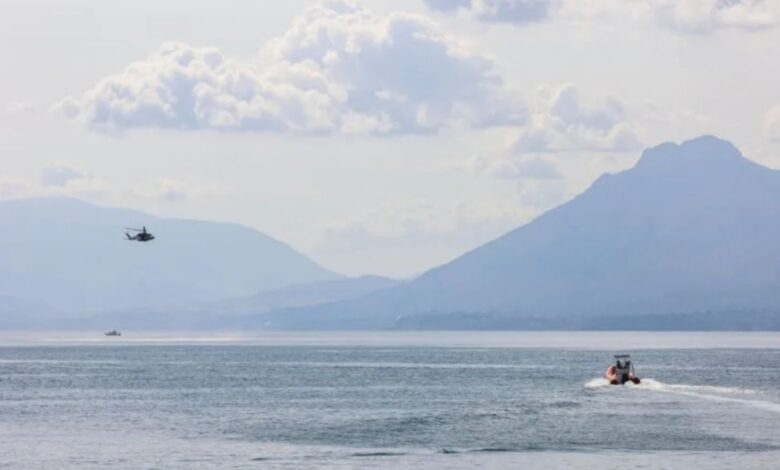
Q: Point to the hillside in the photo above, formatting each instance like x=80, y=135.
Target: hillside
x=73, y=257
x=299, y=295
x=691, y=229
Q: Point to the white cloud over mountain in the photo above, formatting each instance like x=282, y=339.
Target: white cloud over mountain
x=567, y=126
x=343, y=69
x=566, y=120
x=59, y=176
x=12, y=188
x=20, y=108
x=517, y=12
x=707, y=16
x=428, y=231
x=339, y=68
x=422, y=217
x=56, y=181
x=772, y=123
x=513, y=166
x=169, y=190
x=680, y=16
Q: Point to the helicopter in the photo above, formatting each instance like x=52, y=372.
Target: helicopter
x=141, y=236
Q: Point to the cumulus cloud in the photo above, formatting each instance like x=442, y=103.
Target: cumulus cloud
x=169, y=190
x=565, y=124
x=64, y=181
x=512, y=166
x=172, y=190
x=680, y=16
x=539, y=182
x=59, y=176
x=519, y=12
x=419, y=233
x=56, y=181
x=421, y=219
x=541, y=195
x=564, y=120
x=707, y=16
x=20, y=107
x=339, y=68
x=12, y=189
x=772, y=124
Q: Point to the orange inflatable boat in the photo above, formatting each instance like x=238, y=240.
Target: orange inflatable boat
x=621, y=371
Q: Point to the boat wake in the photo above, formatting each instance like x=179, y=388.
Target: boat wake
x=664, y=387
x=706, y=392
x=597, y=383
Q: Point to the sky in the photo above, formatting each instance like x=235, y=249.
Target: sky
x=374, y=136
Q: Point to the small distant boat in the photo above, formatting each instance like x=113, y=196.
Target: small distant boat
x=622, y=371
x=113, y=333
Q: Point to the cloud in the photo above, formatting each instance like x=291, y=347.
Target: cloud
x=564, y=120
x=172, y=190
x=679, y=16
x=12, y=189
x=539, y=168
x=448, y=5
x=540, y=195
x=512, y=166
x=20, y=107
x=540, y=185
x=419, y=219
x=708, y=16
x=55, y=181
x=564, y=123
x=169, y=190
x=416, y=234
x=518, y=12
x=772, y=124
x=339, y=68
x=59, y=176
x=64, y=181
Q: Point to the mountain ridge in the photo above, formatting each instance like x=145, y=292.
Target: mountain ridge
x=74, y=255
x=691, y=228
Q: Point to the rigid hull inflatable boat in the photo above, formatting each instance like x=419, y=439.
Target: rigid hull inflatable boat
x=621, y=371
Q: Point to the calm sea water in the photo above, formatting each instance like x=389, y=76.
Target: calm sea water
x=388, y=400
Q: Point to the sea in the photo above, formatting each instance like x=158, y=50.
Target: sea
x=388, y=400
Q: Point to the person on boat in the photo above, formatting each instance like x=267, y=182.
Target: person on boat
x=621, y=372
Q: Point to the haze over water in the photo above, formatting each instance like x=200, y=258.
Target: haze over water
x=388, y=400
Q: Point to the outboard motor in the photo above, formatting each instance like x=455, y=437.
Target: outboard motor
x=623, y=371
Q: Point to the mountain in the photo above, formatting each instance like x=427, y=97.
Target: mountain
x=19, y=313
x=298, y=295
x=230, y=314
x=74, y=257
x=692, y=229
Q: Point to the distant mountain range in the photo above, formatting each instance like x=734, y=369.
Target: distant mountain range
x=67, y=256
x=228, y=314
x=19, y=313
x=301, y=295
x=689, y=237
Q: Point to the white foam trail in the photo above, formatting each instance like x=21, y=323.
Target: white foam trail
x=710, y=392
x=597, y=383
x=704, y=392
x=656, y=385
x=651, y=384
